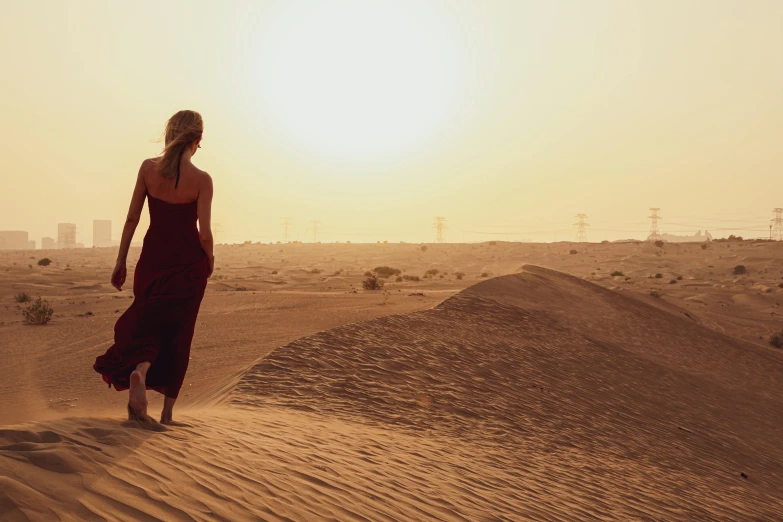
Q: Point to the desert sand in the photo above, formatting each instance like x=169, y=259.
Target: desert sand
x=538, y=386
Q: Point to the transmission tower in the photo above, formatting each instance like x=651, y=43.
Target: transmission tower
x=286, y=222
x=777, y=224
x=581, y=233
x=315, y=224
x=439, y=226
x=655, y=234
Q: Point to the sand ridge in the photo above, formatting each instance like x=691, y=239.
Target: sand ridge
x=530, y=396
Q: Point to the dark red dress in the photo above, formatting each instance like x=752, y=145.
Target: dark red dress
x=168, y=286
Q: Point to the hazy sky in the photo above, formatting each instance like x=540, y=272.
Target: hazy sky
x=508, y=118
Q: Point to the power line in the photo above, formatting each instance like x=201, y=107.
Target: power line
x=581, y=233
x=286, y=222
x=777, y=225
x=655, y=234
x=315, y=224
x=439, y=226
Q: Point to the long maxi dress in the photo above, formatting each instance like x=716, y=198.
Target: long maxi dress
x=168, y=285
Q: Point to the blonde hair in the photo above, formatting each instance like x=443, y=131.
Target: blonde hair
x=182, y=130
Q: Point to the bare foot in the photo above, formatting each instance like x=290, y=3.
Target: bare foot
x=137, y=400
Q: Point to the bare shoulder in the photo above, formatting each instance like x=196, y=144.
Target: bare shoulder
x=148, y=166
x=204, y=180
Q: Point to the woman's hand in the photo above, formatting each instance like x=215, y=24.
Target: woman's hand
x=118, y=276
x=211, y=266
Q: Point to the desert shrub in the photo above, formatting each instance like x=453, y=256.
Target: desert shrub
x=704, y=247
x=740, y=269
x=605, y=242
x=572, y=251
x=459, y=275
x=22, y=298
x=368, y=274
x=44, y=261
x=37, y=312
x=423, y=248
x=776, y=339
x=679, y=278
x=659, y=243
x=407, y=277
x=372, y=283
x=672, y=281
x=316, y=271
x=655, y=293
x=386, y=271
x=484, y=274
x=616, y=273
x=431, y=272
x=780, y=285
x=658, y=276
x=274, y=272
x=398, y=279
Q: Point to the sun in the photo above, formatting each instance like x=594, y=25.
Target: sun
x=359, y=80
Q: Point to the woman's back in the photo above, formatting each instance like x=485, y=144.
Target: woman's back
x=173, y=237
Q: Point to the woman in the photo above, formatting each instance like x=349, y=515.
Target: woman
x=152, y=338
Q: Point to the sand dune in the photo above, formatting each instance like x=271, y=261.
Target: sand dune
x=531, y=396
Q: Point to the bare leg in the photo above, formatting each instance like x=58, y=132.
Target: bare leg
x=138, y=389
x=166, y=416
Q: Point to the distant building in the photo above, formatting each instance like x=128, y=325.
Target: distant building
x=101, y=233
x=47, y=243
x=66, y=235
x=13, y=240
x=695, y=238
x=31, y=244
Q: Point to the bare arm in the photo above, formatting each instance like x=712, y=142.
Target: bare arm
x=205, y=221
x=134, y=214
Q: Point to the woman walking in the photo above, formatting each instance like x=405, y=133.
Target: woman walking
x=152, y=338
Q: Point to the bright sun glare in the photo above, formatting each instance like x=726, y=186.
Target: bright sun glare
x=359, y=80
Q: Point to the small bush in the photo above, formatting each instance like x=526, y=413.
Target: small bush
x=780, y=285
x=372, y=283
x=659, y=243
x=411, y=278
x=22, y=298
x=679, y=278
x=316, y=271
x=459, y=275
x=572, y=251
x=386, y=271
x=431, y=272
x=44, y=262
x=616, y=273
x=398, y=279
x=274, y=272
x=740, y=269
x=658, y=276
x=484, y=274
x=776, y=339
x=423, y=248
x=656, y=294
x=38, y=312
x=673, y=282
x=368, y=274
x=704, y=247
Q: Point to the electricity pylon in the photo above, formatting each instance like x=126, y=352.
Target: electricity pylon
x=315, y=224
x=581, y=232
x=655, y=234
x=286, y=222
x=439, y=226
x=777, y=224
